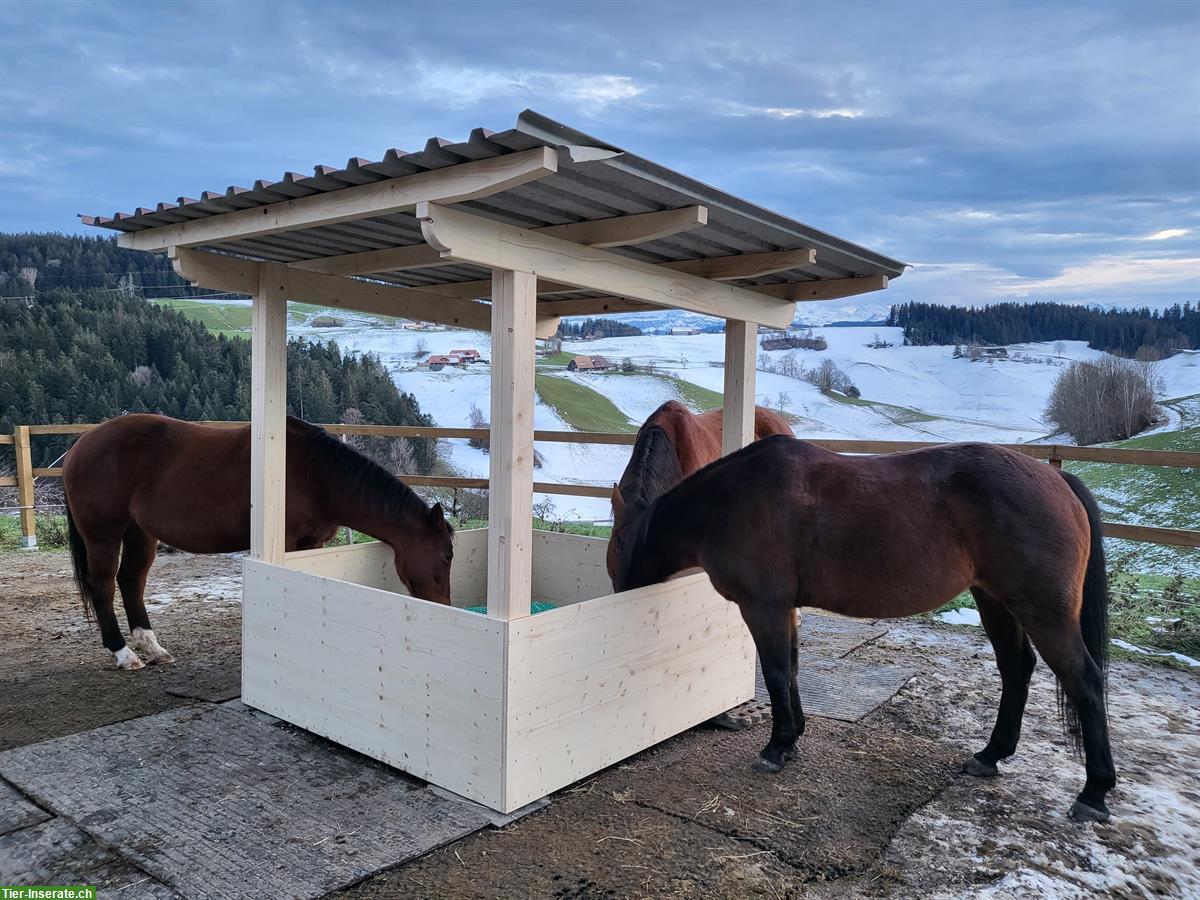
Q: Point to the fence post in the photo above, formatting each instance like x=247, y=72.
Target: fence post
x=25, y=486
x=1055, y=458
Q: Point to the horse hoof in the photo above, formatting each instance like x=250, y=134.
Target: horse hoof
x=764, y=766
x=1081, y=812
x=143, y=639
x=128, y=660
x=973, y=766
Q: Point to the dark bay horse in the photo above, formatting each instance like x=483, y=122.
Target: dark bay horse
x=672, y=443
x=783, y=524
x=139, y=479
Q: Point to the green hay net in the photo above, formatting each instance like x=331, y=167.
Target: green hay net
x=535, y=607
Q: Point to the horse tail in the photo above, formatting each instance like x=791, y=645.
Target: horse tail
x=1093, y=617
x=79, y=561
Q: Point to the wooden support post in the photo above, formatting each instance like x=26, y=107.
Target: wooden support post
x=737, y=431
x=25, y=487
x=268, y=415
x=510, y=497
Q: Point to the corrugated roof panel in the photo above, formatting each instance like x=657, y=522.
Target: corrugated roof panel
x=595, y=180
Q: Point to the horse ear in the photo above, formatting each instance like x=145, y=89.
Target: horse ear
x=436, y=514
x=618, y=502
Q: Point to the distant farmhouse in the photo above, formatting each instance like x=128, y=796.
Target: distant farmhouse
x=975, y=352
x=437, y=363
x=466, y=356
x=590, y=364
x=684, y=329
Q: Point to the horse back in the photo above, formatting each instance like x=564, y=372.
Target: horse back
x=846, y=526
x=697, y=436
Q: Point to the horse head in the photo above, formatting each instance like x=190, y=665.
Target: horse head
x=628, y=565
x=424, y=555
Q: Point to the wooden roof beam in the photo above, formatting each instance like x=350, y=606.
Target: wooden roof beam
x=831, y=289
x=592, y=306
x=452, y=184
x=724, y=268
x=614, y=232
x=470, y=238
x=228, y=273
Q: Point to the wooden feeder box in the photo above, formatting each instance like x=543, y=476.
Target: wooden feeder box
x=541, y=221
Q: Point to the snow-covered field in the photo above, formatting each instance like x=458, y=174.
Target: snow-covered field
x=908, y=393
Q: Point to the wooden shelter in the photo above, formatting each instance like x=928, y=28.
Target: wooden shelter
x=503, y=232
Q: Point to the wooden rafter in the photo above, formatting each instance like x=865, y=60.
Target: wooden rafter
x=728, y=268
x=228, y=273
x=470, y=238
x=452, y=184
x=615, y=232
x=745, y=265
x=832, y=289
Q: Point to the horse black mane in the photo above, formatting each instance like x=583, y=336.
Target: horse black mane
x=653, y=467
x=361, y=478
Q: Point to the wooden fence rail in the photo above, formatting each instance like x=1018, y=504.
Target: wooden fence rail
x=1055, y=454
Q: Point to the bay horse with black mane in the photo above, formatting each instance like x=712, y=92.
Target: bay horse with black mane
x=783, y=524
x=139, y=479
x=672, y=443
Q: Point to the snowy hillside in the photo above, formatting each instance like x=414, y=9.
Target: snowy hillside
x=908, y=393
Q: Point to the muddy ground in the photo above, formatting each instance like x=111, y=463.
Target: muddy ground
x=56, y=677
x=871, y=809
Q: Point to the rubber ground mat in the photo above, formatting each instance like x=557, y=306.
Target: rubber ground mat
x=57, y=852
x=17, y=812
x=216, y=801
x=843, y=689
x=833, y=636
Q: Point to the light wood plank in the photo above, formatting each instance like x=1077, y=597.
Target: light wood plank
x=744, y=265
x=831, y=289
x=593, y=306
x=614, y=232
x=413, y=684
x=228, y=273
x=592, y=683
x=25, y=494
x=418, y=256
x=470, y=238
x=510, y=454
x=569, y=568
x=717, y=268
x=268, y=415
x=1121, y=455
x=741, y=343
x=453, y=184
x=1171, y=536
x=620, y=231
x=373, y=564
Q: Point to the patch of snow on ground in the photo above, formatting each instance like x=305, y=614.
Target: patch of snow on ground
x=964, y=616
x=1133, y=648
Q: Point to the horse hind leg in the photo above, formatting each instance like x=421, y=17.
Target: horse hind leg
x=1062, y=648
x=793, y=683
x=137, y=556
x=101, y=587
x=1016, y=660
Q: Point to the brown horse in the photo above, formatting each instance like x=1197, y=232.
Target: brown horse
x=673, y=443
x=139, y=479
x=783, y=524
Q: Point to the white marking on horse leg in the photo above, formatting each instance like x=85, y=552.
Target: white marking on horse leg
x=143, y=639
x=128, y=660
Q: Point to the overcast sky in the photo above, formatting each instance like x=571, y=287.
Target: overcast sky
x=1008, y=150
